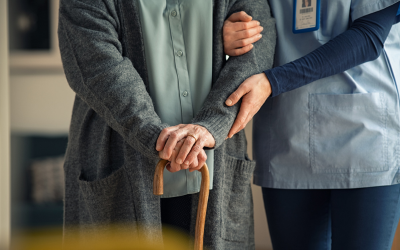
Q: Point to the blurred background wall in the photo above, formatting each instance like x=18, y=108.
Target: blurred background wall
x=4, y=131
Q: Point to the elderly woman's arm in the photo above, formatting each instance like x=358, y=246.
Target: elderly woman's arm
x=215, y=116
x=102, y=77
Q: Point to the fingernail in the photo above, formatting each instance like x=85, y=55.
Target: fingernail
x=261, y=28
x=251, y=46
x=259, y=35
x=179, y=161
x=228, y=102
x=186, y=162
x=258, y=23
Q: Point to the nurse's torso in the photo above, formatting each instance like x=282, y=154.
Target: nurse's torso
x=337, y=132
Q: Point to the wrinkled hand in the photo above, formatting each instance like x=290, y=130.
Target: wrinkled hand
x=197, y=164
x=255, y=91
x=190, y=149
x=239, y=33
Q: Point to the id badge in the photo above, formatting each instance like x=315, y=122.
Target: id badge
x=306, y=15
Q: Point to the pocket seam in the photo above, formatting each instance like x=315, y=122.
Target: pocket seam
x=96, y=185
x=244, y=168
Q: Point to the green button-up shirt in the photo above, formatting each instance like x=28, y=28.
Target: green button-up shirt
x=178, y=47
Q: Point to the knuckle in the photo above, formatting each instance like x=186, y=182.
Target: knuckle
x=203, y=157
x=242, y=43
x=174, y=135
x=189, y=140
x=197, y=129
x=235, y=95
x=196, y=148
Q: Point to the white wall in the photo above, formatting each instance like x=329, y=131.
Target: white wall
x=40, y=103
x=4, y=131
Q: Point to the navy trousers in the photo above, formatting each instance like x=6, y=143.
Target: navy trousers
x=333, y=219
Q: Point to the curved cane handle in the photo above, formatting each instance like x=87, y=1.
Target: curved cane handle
x=158, y=189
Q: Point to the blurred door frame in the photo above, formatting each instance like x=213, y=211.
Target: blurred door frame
x=4, y=130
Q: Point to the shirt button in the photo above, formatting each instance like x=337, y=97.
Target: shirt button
x=179, y=53
x=173, y=13
x=185, y=93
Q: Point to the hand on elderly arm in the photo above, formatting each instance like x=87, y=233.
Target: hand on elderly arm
x=253, y=92
x=183, y=146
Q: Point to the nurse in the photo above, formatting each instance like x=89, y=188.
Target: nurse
x=327, y=139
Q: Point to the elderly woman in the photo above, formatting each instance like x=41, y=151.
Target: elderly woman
x=142, y=67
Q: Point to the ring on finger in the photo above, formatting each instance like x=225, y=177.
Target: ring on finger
x=195, y=139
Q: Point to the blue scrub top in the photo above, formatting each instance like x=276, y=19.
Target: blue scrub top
x=338, y=132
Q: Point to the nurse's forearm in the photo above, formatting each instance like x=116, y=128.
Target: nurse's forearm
x=361, y=43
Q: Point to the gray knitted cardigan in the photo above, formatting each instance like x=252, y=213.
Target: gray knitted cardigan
x=111, y=156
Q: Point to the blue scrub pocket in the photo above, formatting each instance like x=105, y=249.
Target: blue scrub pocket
x=348, y=133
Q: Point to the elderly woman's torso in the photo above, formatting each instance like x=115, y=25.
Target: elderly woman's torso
x=177, y=37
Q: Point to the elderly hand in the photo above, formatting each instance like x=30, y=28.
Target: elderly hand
x=239, y=33
x=197, y=164
x=255, y=91
x=195, y=139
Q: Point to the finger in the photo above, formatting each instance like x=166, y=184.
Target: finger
x=174, y=167
x=202, y=157
x=245, y=109
x=245, y=42
x=238, y=94
x=168, y=166
x=239, y=26
x=194, y=164
x=196, y=150
x=248, y=33
x=187, y=146
x=163, y=137
x=242, y=126
x=240, y=17
x=240, y=51
x=172, y=140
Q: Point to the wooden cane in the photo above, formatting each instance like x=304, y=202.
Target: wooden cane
x=158, y=189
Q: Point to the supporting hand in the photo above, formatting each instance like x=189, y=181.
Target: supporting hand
x=239, y=33
x=255, y=91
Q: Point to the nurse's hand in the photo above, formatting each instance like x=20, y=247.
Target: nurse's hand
x=197, y=164
x=196, y=138
x=255, y=91
x=239, y=33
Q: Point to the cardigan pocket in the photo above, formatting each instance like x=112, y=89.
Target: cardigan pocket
x=109, y=201
x=348, y=133
x=237, y=204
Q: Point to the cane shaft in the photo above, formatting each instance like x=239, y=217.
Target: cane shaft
x=158, y=189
